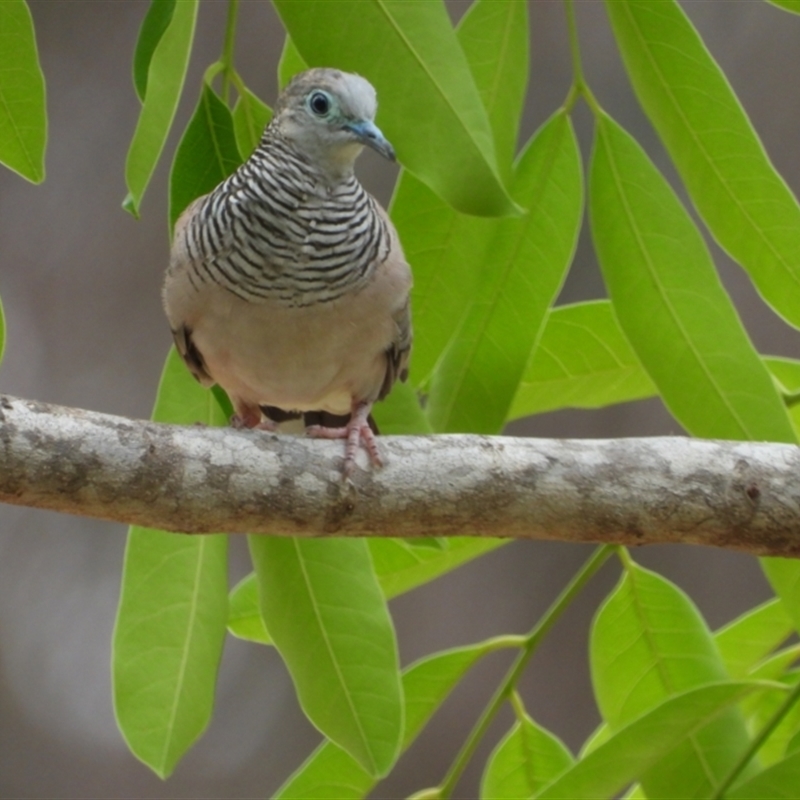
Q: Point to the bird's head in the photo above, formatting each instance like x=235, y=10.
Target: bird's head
x=328, y=116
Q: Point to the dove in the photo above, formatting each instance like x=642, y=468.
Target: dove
x=287, y=285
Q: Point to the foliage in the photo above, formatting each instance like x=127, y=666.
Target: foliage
x=686, y=712
x=23, y=117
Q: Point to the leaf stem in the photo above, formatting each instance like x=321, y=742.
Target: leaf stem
x=757, y=742
x=533, y=639
x=227, y=49
x=579, y=86
x=517, y=704
x=574, y=44
x=625, y=558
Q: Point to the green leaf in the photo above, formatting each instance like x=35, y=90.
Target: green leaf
x=649, y=643
x=784, y=577
x=331, y=773
x=777, y=666
x=786, y=372
x=430, y=107
x=477, y=377
x=400, y=413
x=778, y=782
x=525, y=760
x=439, y=543
x=325, y=612
x=290, y=63
x=166, y=75
x=760, y=710
x=582, y=360
x=170, y=624
x=635, y=793
x=787, y=5
x=645, y=741
x=670, y=302
x=244, y=613
x=748, y=639
x=744, y=201
x=23, y=114
x=168, y=642
x=494, y=37
x=601, y=734
x=206, y=155
x=401, y=567
x=181, y=400
x=250, y=117
x=794, y=744
x=447, y=248
x=154, y=25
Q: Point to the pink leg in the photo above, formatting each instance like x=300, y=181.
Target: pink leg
x=356, y=431
x=248, y=416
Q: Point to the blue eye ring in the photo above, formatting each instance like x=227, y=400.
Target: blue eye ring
x=320, y=103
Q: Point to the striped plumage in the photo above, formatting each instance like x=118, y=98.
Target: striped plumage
x=274, y=230
x=287, y=284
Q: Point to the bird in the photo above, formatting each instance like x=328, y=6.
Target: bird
x=287, y=284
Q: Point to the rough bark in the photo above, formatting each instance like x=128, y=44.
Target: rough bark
x=739, y=495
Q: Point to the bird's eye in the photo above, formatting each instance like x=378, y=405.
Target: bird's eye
x=320, y=103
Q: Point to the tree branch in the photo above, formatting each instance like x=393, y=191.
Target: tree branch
x=739, y=495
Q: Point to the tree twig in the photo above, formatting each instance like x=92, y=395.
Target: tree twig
x=739, y=495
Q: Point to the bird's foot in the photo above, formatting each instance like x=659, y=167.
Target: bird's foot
x=357, y=431
x=250, y=417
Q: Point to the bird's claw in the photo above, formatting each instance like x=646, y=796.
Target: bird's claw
x=241, y=422
x=357, y=431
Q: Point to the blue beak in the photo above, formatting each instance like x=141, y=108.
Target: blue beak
x=369, y=134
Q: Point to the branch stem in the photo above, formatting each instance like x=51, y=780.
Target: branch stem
x=228, y=71
x=533, y=639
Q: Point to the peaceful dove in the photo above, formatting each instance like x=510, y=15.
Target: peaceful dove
x=287, y=284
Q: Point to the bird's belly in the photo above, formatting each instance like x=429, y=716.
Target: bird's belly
x=318, y=357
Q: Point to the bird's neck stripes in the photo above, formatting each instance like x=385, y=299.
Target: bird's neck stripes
x=277, y=230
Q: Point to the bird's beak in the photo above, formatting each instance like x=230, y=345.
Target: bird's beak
x=369, y=134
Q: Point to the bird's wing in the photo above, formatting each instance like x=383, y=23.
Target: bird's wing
x=398, y=352
x=188, y=351
x=179, y=265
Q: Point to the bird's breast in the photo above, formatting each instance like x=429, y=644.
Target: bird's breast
x=317, y=357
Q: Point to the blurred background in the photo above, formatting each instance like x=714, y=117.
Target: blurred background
x=80, y=281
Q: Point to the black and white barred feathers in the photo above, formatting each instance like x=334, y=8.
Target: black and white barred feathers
x=276, y=230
